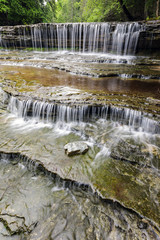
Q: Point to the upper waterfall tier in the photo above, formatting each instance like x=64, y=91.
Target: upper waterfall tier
x=120, y=38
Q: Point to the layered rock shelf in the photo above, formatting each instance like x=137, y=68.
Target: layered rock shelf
x=107, y=167
x=80, y=148
x=136, y=37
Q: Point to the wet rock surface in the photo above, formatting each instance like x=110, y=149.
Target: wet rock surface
x=137, y=152
x=49, y=86
x=76, y=148
x=61, y=213
x=122, y=163
x=44, y=144
x=123, y=181
x=24, y=36
x=94, y=65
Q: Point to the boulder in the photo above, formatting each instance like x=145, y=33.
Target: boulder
x=76, y=148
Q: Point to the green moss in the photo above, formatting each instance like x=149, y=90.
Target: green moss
x=129, y=185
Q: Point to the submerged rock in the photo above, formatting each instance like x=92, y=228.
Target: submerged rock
x=137, y=152
x=14, y=224
x=75, y=148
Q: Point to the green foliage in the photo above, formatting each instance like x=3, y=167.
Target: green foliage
x=15, y=12
x=93, y=11
x=49, y=11
x=4, y=6
x=87, y=10
x=103, y=10
x=62, y=10
x=68, y=11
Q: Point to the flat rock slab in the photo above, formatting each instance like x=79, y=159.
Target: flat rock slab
x=76, y=148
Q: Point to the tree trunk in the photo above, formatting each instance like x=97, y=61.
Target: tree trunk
x=125, y=10
x=157, y=9
x=145, y=10
x=72, y=13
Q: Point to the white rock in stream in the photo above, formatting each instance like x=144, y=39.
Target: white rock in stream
x=75, y=148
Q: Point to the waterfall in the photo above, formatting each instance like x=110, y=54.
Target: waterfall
x=48, y=112
x=121, y=38
x=125, y=38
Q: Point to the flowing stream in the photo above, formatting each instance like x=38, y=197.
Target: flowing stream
x=80, y=92
x=83, y=37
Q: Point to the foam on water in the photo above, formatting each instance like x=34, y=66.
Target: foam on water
x=121, y=38
x=52, y=113
x=103, y=152
x=20, y=124
x=57, y=189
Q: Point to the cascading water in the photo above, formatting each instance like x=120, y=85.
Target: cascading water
x=125, y=38
x=122, y=162
x=86, y=113
x=83, y=37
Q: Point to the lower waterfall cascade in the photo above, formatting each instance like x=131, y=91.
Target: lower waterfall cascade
x=57, y=112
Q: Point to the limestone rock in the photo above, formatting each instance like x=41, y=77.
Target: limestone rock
x=153, y=101
x=136, y=152
x=75, y=148
x=14, y=224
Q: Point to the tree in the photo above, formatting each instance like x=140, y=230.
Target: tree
x=14, y=12
x=106, y=10
x=151, y=9
x=4, y=8
x=125, y=10
x=68, y=11
x=62, y=13
x=157, y=9
x=49, y=11
x=93, y=10
x=25, y=12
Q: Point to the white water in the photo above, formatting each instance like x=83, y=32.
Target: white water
x=52, y=113
x=121, y=39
